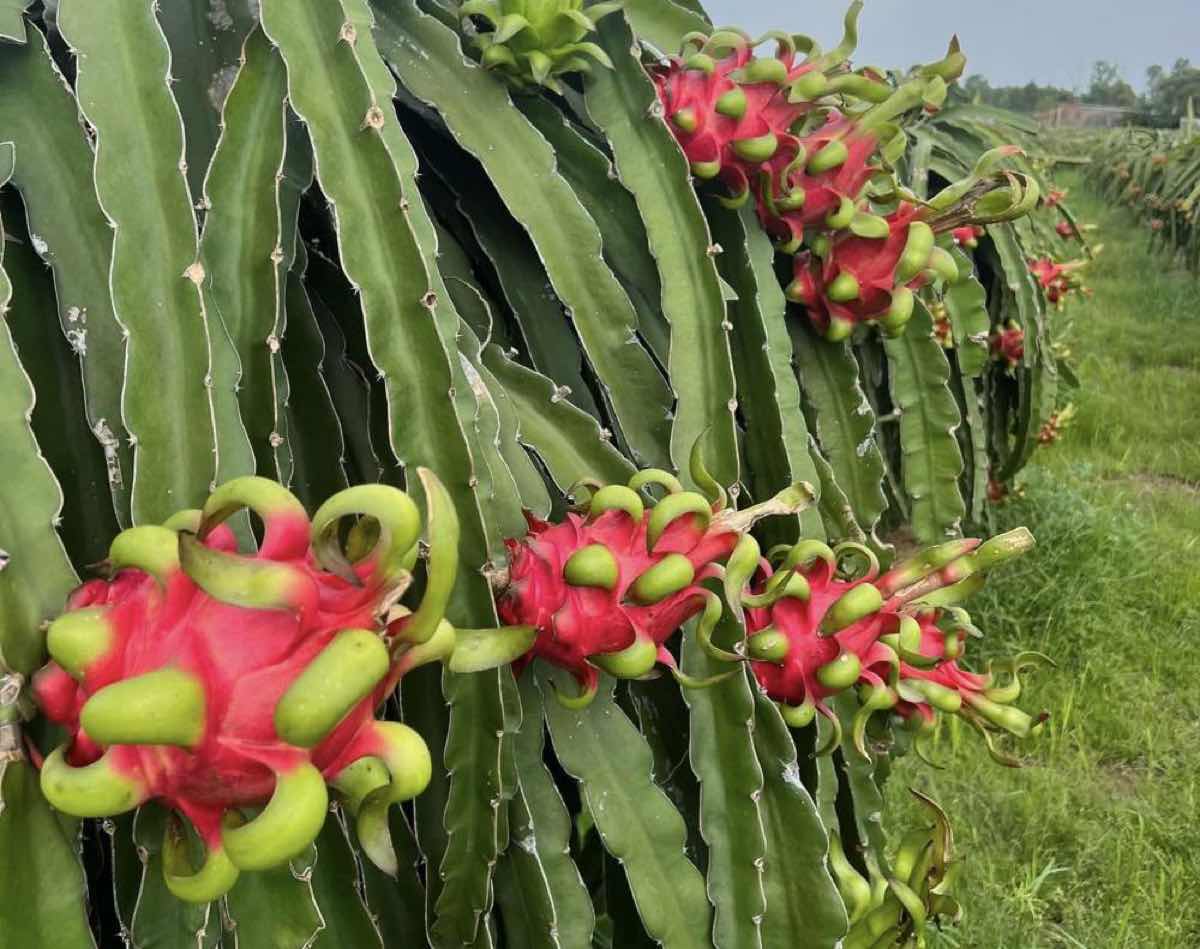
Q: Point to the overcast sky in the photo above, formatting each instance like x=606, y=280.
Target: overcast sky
x=1008, y=41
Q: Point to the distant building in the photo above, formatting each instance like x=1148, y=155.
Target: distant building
x=1079, y=115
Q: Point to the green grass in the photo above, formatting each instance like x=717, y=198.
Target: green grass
x=1096, y=843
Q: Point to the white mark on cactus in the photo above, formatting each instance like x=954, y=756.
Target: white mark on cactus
x=218, y=15
x=528, y=843
x=865, y=447
x=39, y=245
x=78, y=340
x=605, y=434
x=560, y=393
x=277, y=254
x=275, y=439
x=273, y=343
x=110, y=444
x=429, y=301
x=195, y=273
x=5, y=558
x=713, y=249
x=219, y=86
x=656, y=110
x=791, y=775
x=732, y=405
x=728, y=327
x=348, y=34
x=864, y=407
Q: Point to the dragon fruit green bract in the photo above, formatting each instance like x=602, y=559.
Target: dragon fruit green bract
x=214, y=681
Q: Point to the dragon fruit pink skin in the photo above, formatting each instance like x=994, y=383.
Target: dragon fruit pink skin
x=211, y=680
x=896, y=637
x=607, y=589
x=1008, y=344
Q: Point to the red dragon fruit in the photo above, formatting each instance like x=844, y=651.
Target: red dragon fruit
x=968, y=236
x=214, y=681
x=1065, y=229
x=730, y=108
x=870, y=278
x=606, y=588
x=815, y=632
x=1057, y=280
x=1008, y=344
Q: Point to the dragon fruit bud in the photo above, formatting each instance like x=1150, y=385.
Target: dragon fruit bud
x=1065, y=229
x=896, y=909
x=215, y=681
x=897, y=637
x=1008, y=344
x=608, y=586
x=532, y=42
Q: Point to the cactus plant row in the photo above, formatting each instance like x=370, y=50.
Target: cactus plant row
x=494, y=473
x=1157, y=174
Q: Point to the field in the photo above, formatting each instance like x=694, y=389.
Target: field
x=1096, y=842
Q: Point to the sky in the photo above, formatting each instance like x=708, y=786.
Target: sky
x=1009, y=41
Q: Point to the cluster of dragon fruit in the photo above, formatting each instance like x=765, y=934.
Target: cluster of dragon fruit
x=813, y=142
x=239, y=689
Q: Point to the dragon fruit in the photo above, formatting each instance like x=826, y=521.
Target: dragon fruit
x=870, y=278
x=608, y=586
x=215, y=682
x=732, y=110
x=1065, y=229
x=896, y=909
x=1008, y=344
x=814, y=632
x=1058, y=280
x=968, y=236
x=532, y=42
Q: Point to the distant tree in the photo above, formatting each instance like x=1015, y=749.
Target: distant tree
x=1167, y=93
x=1108, y=87
x=1027, y=98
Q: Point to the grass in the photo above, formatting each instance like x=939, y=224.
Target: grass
x=1097, y=842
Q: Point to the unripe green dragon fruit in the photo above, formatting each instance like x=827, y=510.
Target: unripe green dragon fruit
x=217, y=682
x=896, y=909
x=815, y=632
x=608, y=586
x=532, y=42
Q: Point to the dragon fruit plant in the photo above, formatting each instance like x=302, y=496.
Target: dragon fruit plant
x=353, y=363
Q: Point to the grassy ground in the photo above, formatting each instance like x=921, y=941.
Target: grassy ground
x=1097, y=843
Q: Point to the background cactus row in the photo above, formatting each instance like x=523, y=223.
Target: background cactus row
x=1157, y=174
x=330, y=247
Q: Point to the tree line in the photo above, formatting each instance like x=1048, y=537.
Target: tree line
x=1164, y=102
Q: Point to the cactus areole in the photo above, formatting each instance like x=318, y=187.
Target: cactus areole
x=219, y=683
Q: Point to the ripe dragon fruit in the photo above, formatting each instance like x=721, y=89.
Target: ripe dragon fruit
x=215, y=682
x=870, y=278
x=968, y=236
x=814, y=632
x=730, y=109
x=607, y=587
x=531, y=42
x=1058, y=280
x=1007, y=344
